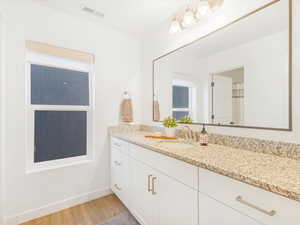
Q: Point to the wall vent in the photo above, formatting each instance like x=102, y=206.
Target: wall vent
x=92, y=11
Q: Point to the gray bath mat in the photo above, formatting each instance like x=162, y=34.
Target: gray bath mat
x=122, y=219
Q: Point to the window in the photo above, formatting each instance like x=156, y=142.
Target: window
x=56, y=86
x=59, y=111
x=59, y=134
x=182, y=99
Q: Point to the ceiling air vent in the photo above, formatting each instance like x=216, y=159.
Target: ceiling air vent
x=92, y=11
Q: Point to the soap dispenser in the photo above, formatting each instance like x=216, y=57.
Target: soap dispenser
x=203, y=137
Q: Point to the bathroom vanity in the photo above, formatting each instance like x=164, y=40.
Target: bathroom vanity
x=170, y=183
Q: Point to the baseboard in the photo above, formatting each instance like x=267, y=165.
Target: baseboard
x=55, y=207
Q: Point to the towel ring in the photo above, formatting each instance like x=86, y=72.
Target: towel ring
x=126, y=94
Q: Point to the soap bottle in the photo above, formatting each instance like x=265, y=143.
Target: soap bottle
x=203, y=137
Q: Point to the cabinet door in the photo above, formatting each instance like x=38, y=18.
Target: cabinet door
x=129, y=181
x=116, y=176
x=143, y=203
x=120, y=175
x=123, y=179
x=177, y=204
x=212, y=212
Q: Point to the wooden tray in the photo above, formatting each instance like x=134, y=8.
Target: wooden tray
x=161, y=137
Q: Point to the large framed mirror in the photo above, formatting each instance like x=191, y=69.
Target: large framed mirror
x=237, y=76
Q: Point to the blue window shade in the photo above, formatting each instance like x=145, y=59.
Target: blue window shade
x=55, y=86
x=59, y=135
x=180, y=114
x=180, y=97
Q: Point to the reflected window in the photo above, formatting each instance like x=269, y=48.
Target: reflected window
x=180, y=114
x=182, y=99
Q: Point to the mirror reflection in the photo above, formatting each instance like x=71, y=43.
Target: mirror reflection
x=237, y=76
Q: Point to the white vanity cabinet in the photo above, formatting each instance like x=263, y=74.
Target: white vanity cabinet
x=161, y=200
x=143, y=203
x=160, y=190
x=153, y=196
x=120, y=169
x=176, y=203
x=256, y=203
x=213, y=212
x=168, y=188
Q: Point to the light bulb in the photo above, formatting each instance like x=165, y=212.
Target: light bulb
x=175, y=27
x=203, y=9
x=188, y=18
x=216, y=4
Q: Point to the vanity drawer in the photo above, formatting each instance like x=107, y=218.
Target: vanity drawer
x=116, y=157
x=249, y=200
x=119, y=144
x=176, y=169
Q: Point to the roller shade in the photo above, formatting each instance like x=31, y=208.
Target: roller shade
x=60, y=52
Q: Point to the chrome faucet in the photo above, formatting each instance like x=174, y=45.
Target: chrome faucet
x=188, y=134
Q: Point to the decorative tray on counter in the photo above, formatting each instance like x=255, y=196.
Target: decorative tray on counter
x=161, y=137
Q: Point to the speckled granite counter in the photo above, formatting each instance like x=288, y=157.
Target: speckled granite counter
x=272, y=173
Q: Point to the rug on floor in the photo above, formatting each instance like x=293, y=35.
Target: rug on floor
x=122, y=219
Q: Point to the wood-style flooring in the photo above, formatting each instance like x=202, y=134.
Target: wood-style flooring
x=91, y=213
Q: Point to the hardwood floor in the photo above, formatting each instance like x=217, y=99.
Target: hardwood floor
x=90, y=213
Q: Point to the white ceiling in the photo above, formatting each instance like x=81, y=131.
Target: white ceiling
x=135, y=16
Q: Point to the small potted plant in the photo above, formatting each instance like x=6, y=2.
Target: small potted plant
x=186, y=120
x=170, y=124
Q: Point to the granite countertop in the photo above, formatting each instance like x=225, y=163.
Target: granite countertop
x=272, y=173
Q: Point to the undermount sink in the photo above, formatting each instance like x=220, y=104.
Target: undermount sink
x=176, y=144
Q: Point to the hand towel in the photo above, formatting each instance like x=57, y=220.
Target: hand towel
x=156, y=111
x=126, y=111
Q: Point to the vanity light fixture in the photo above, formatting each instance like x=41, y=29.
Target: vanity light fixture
x=188, y=18
x=215, y=4
x=175, y=27
x=203, y=9
x=194, y=13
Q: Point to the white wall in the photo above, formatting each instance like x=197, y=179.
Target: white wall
x=179, y=68
x=162, y=42
x=117, y=69
x=1, y=140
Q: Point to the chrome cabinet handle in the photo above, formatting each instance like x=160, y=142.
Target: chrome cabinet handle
x=153, y=185
x=149, y=187
x=117, y=187
x=117, y=163
x=269, y=213
x=116, y=144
